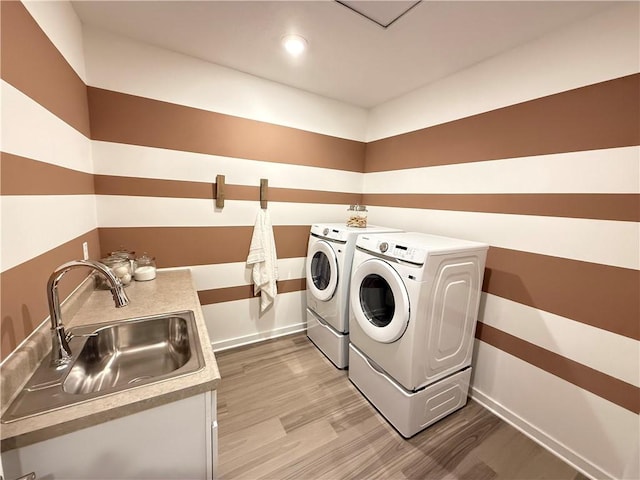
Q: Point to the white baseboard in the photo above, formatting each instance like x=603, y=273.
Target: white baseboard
x=258, y=337
x=541, y=438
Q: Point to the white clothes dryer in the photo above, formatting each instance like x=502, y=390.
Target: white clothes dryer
x=328, y=269
x=414, y=303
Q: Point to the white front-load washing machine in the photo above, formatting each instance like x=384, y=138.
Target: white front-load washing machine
x=328, y=268
x=414, y=303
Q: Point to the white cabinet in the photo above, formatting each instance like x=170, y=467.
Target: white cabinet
x=174, y=441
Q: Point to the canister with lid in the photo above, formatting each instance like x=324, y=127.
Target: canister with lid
x=357, y=216
x=145, y=268
x=121, y=268
x=122, y=252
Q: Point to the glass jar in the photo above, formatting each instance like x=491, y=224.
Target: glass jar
x=129, y=255
x=357, y=216
x=145, y=268
x=121, y=268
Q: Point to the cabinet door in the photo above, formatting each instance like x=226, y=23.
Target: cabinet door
x=172, y=441
x=212, y=439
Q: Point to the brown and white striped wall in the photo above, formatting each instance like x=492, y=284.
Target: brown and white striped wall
x=535, y=152
x=48, y=204
x=126, y=153
x=158, y=143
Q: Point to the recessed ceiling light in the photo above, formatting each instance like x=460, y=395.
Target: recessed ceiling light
x=294, y=44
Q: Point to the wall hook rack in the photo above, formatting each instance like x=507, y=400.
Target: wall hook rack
x=220, y=192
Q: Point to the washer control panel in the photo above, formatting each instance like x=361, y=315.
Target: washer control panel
x=329, y=233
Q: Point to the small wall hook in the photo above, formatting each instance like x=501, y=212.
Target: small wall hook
x=219, y=191
x=264, y=188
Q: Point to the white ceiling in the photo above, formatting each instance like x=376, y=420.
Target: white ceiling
x=349, y=57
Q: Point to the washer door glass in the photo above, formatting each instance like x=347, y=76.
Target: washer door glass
x=322, y=271
x=379, y=301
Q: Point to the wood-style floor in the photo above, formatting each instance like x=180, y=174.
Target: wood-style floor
x=285, y=412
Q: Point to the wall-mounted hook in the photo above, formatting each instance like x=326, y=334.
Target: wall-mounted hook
x=219, y=191
x=264, y=188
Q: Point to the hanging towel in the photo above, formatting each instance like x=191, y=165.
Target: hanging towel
x=262, y=258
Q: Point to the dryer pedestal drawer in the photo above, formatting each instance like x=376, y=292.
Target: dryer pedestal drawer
x=408, y=412
x=333, y=344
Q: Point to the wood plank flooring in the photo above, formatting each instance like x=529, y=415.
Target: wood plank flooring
x=285, y=412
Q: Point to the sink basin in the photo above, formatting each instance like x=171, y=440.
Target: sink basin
x=128, y=353
x=110, y=358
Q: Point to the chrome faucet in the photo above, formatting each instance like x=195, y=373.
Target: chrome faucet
x=60, y=351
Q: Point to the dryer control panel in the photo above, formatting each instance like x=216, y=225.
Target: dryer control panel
x=409, y=254
x=389, y=248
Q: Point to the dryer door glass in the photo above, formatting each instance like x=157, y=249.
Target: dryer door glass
x=379, y=301
x=376, y=299
x=322, y=271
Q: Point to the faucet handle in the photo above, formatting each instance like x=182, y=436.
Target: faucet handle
x=71, y=335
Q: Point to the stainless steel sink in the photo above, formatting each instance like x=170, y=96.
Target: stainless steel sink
x=128, y=353
x=112, y=358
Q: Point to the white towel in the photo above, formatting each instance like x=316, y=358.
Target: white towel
x=262, y=256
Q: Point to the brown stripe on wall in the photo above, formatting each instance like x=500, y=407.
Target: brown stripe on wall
x=150, y=187
x=180, y=246
x=312, y=196
x=603, y=115
x=240, y=192
x=23, y=176
x=23, y=289
x=243, y=292
x=601, y=206
x=602, y=296
x=33, y=65
x=610, y=388
x=227, y=294
x=122, y=118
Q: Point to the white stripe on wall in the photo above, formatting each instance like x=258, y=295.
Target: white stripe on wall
x=34, y=132
x=577, y=341
x=615, y=170
x=116, y=63
x=130, y=211
x=231, y=324
x=223, y=275
x=597, y=436
x=599, y=241
x=33, y=225
x=149, y=162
